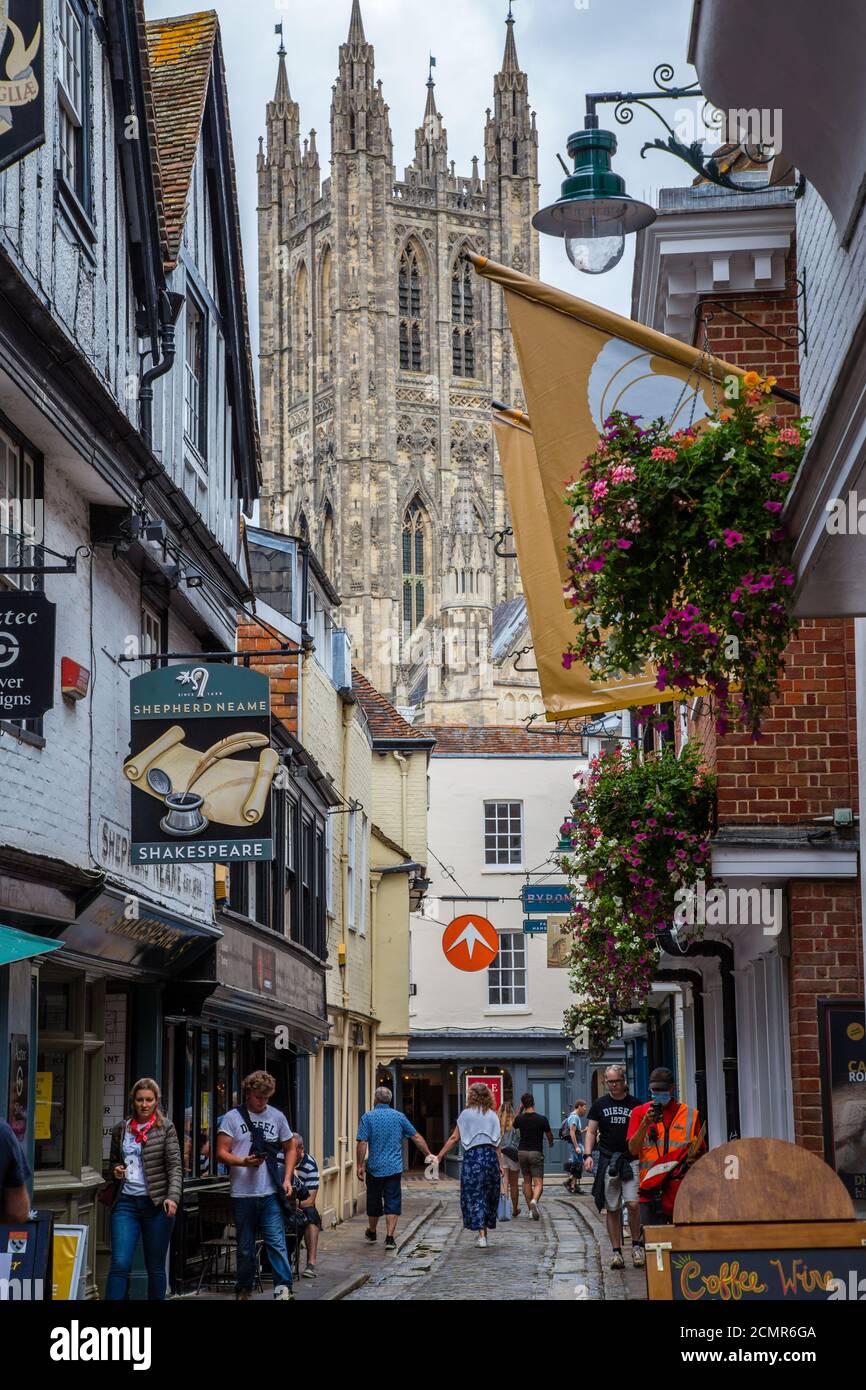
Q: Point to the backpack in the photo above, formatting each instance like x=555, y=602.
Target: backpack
x=565, y=1132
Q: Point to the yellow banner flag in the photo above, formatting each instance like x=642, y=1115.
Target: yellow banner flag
x=578, y=363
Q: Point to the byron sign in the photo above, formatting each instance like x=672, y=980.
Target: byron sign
x=22, y=79
x=27, y=623
x=200, y=765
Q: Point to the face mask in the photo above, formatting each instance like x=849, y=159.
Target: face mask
x=660, y=1097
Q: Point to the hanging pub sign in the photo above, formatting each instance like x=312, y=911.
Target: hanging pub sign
x=201, y=765
x=22, y=79
x=843, y=1091
x=27, y=622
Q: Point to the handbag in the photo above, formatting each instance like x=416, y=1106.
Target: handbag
x=508, y=1147
x=503, y=1211
x=108, y=1195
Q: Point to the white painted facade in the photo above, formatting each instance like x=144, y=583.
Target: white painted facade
x=460, y=785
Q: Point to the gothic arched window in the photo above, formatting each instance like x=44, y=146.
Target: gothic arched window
x=415, y=556
x=328, y=541
x=303, y=527
x=302, y=330
x=462, y=319
x=326, y=320
x=409, y=306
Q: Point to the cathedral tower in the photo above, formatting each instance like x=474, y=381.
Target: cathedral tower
x=381, y=351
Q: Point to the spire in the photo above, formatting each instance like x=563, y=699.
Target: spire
x=509, y=61
x=281, y=92
x=430, y=108
x=356, y=24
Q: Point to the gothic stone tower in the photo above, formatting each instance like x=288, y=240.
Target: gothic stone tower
x=380, y=354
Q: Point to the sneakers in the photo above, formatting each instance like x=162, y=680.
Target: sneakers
x=638, y=1258
x=617, y=1262
x=390, y=1243
x=309, y=1272
x=283, y=1292
x=481, y=1242
x=369, y=1235
x=533, y=1210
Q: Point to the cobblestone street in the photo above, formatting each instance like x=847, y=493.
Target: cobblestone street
x=558, y=1257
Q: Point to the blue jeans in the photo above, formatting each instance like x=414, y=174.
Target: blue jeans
x=131, y=1218
x=252, y=1214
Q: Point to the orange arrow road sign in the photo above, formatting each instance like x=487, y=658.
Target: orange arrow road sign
x=470, y=942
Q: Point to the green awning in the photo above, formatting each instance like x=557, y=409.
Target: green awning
x=18, y=945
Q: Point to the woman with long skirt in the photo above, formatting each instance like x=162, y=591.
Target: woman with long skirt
x=478, y=1131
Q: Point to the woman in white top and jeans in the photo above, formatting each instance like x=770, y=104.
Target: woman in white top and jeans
x=478, y=1130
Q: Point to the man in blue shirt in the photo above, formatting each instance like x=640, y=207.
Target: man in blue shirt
x=380, y=1148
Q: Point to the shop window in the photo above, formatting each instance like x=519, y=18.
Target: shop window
x=328, y=1107
x=69, y=1082
x=52, y=1068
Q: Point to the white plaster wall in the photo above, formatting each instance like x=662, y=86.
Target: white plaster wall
x=459, y=786
x=50, y=802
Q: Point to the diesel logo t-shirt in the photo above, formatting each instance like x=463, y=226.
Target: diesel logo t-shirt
x=253, y=1182
x=612, y=1117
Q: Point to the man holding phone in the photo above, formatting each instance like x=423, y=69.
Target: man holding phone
x=255, y=1199
x=658, y=1132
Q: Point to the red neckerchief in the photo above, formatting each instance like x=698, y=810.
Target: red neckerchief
x=140, y=1131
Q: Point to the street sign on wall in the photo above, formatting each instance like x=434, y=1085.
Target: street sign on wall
x=27, y=623
x=470, y=942
x=22, y=79
x=535, y=926
x=546, y=897
x=201, y=765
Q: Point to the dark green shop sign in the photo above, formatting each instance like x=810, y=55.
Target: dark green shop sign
x=201, y=765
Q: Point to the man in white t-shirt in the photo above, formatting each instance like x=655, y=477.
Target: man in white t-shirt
x=257, y=1203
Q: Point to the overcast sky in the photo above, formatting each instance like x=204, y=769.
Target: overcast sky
x=567, y=47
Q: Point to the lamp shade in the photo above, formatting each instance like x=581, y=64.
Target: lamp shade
x=593, y=202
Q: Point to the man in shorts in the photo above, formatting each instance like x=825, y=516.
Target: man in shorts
x=608, y=1122
x=379, y=1159
x=533, y=1129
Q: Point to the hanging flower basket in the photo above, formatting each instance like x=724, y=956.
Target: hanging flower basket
x=677, y=556
x=639, y=843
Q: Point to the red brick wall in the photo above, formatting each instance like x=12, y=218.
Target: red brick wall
x=825, y=960
x=282, y=669
x=806, y=763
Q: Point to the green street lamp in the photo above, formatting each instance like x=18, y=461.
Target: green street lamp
x=593, y=212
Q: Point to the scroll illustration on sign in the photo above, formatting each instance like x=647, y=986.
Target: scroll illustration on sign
x=197, y=786
x=19, y=86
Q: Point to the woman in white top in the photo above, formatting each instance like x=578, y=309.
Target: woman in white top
x=478, y=1130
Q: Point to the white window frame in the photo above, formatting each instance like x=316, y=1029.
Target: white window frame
x=71, y=93
x=503, y=831
x=351, y=834
x=151, y=633
x=507, y=978
x=195, y=382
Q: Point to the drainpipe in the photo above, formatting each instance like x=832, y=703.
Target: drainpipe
x=696, y=980
x=404, y=794
x=724, y=954
x=170, y=305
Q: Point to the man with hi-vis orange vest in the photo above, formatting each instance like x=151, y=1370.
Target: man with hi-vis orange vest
x=665, y=1136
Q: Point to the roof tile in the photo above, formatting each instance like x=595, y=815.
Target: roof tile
x=505, y=741
x=383, y=719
